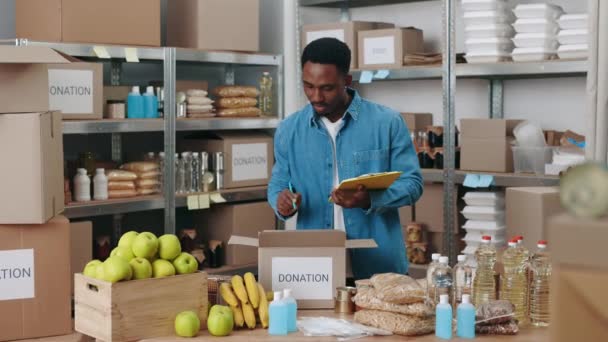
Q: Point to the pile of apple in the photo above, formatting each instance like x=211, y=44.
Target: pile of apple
x=141, y=256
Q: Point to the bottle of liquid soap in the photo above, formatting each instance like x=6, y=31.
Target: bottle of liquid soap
x=442, y=280
x=539, y=286
x=100, y=185
x=82, y=186
x=463, y=279
x=150, y=104
x=465, y=326
x=430, y=290
x=514, y=286
x=277, y=312
x=135, y=104
x=292, y=311
x=443, y=318
x=484, y=284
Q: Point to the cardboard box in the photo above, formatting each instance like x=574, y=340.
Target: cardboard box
x=92, y=21
x=31, y=177
x=81, y=246
x=578, y=279
x=487, y=128
x=417, y=122
x=429, y=208
x=343, y=31
x=310, y=262
x=248, y=157
x=487, y=155
x=222, y=221
x=214, y=24
x=76, y=90
x=528, y=210
x=137, y=309
x=35, y=280
x=385, y=49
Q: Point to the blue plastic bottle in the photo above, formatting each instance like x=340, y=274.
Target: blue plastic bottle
x=466, y=318
x=150, y=104
x=292, y=310
x=135, y=104
x=443, y=318
x=277, y=312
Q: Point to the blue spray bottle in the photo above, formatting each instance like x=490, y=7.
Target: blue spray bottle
x=443, y=318
x=292, y=310
x=150, y=104
x=466, y=318
x=277, y=312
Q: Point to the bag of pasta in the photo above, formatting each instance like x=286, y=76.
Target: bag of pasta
x=396, y=323
x=367, y=298
x=120, y=175
x=141, y=166
x=236, y=91
x=238, y=112
x=236, y=102
x=397, y=288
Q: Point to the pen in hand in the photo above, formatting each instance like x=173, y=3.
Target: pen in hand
x=293, y=200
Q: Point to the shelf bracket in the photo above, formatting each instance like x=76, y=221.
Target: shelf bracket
x=115, y=72
x=344, y=12
x=169, y=67
x=229, y=74
x=496, y=99
x=116, y=147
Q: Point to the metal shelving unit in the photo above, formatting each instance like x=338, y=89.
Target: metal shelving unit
x=114, y=206
x=500, y=179
x=230, y=195
x=353, y=3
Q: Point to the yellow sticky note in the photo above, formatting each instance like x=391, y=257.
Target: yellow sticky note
x=193, y=203
x=101, y=52
x=131, y=55
x=216, y=197
x=204, y=201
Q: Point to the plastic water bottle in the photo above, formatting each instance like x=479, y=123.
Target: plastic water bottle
x=513, y=281
x=278, y=313
x=195, y=176
x=465, y=315
x=442, y=280
x=187, y=170
x=266, y=94
x=463, y=279
x=179, y=175
x=135, y=104
x=292, y=311
x=484, y=283
x=100, y=185
x=150, y=104
x=430, y=290
x=443, y=318
x=539, y=286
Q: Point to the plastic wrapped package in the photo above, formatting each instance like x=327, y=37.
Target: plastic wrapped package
x=121, y=185
x=484, y=5
x=367, y=298
x=147, y=191
x=238, y=112
x=121, y=193
x=140, y=166
x=149, y=175
x=147, y=183
x=198, y=100
x=236, y=102
x=396, y=323
x=397, y=288
x=495, y=312
x=121, y=175
x=196, y=93
x=343, y=329
x=548, y=11
x=484, y=198
x=236, y=91
x=508, y=328
x=193, y=108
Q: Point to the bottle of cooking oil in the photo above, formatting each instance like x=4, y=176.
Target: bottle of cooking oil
x=514, y=286
x=430, y=289
x=463, y=279
x=265, y=101
x=484, y=284
x=539, y=286
x=524, y=253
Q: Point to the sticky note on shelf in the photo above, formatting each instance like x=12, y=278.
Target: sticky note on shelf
x=366, y=76
x=216, y=197
x=382, y=74
x=101, y=52
x=193, y=203
x=471, y=181
x=204, y=201
x=485, y=181
x=131, y=55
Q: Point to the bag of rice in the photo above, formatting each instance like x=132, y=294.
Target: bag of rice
x=140, y=166
x=120, y=175
x=367, y=298
x=396, y=323
x=397, y=288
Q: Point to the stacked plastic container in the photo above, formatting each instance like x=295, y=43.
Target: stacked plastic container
x=485, y=214
x=537, y=29
x=488, y=30
x=573, y=36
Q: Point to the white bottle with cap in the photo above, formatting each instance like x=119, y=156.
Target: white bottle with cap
x=429, y=274
x=292, y=311
x=82, y=186
x=277, y=312
x=100, y=185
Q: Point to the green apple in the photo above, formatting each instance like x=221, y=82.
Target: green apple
x=220, y=321
x=162, y=268
x=142, y=268
x=116, y=269
x=123, y=252
x=185, y=263
x=145, y=245
x=169, y=247
x=187, y=324
x=90, y=269
x=126, y=240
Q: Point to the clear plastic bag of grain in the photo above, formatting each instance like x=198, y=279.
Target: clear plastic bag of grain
x=236, y=91
x=367, y=298
x=396, y=323
x=495, y=312
x=508, y=328
x=398, y=288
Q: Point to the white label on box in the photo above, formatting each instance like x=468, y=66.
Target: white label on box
x=379, y=50
x=17, y=274
x=308, y=278
x=249, y=161
x=314, y=35
x=71, y=91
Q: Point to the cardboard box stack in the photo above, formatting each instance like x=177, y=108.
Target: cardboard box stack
x=536, y=27
x=573, y=36
x=488, y=31
x=485, y=214
x=386, y=49
x=486, y=144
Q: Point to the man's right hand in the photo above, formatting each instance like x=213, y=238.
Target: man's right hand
x=285, y=203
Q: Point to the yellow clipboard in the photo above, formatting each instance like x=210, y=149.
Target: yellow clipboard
x=372, y=181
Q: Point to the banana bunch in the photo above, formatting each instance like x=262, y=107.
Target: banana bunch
x=245, y=295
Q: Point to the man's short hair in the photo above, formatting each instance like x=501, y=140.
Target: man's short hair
x=328, y=51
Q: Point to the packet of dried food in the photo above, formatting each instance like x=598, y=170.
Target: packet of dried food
x=236, y=91
x=397, y=288
x=236, y=102
x=508, y=328
x=122, y=193
x=396, y=323
x=140, y=166
x=367, y=298
x=495, y=312
x=120, y=175
x=121, y=185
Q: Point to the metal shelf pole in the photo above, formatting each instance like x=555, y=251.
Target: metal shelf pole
x=169, y=139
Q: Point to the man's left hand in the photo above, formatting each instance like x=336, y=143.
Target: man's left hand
x=352, y=198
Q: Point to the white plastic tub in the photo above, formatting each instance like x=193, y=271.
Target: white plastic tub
x=484, y=5
x=573, y=37
x=579, y=51
x=502, y=45
x=573, y=21
x=484, y=226
x=526, y=40
x=488, y=17
x=533, y=54
x=533, y=25
x=547, y=11
x=484, y=198
x=487, y=57
x=489, y=31
x=531, y=159
x=483, y=213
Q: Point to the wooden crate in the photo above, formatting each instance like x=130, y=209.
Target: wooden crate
x=137, y=309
